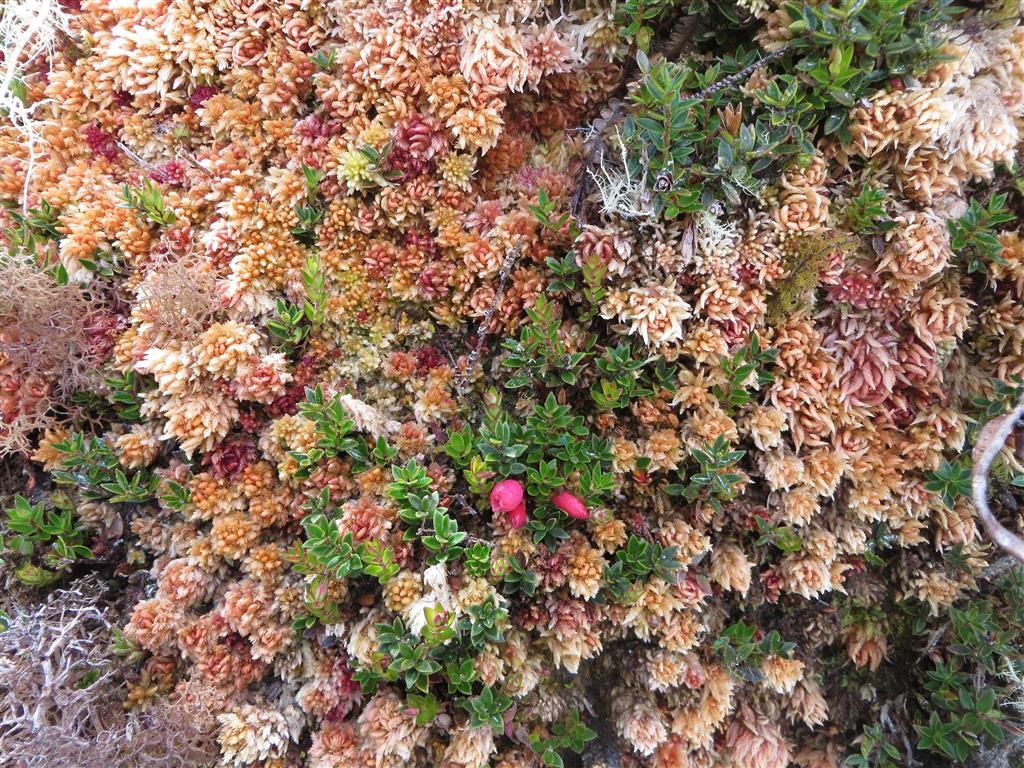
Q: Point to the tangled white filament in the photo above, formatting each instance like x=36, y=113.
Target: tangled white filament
x=621, y=192
x=28, y=29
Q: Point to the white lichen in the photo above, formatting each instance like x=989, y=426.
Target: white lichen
x=622, y=192
x=28, y=29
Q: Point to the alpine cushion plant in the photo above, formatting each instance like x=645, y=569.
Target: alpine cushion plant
x=695, y=137
x=515, y=384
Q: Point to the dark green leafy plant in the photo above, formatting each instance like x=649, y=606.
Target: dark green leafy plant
x=565, y=271
x=866, y=213
x=636, y=19
x=310, y=216
x=621, y=381
x=539, y=355
x=638, y=559
x=459, y=446
x=962, y=692
x=149, y=201
x=104, y=263
x=588, y=279
x=121, y=401
x=314, y=281
x=518, y=578
x=91, y=464
x=741, y=650
x=781, y=536
x=324, y=60
x=961, y=688
x=310, y=213
x=745, y=371
x=848, y=48
x=418, y=510
x=51, y=537
x=408, y=659
x=570, y=734
x=135, y=488
x=951, y=480
x=410, y=480
x=477, y=560
x=439, y=661
x=123, y=646
x=483, y=624
x=312, y=177
x=326, y=555
x=33, y=230
x=973, y=235
x=693, y=138
x=460, y=675
x=443, y=542
x=290, y=328
x=487, y=709
x=875, y=750
x=334, y=428
x=717, y=480
x=552, y=445
x=334, y=552
x=690, y=152
x=544, y=212
x=175, y=495
x=1007, y=394
x=124, y=396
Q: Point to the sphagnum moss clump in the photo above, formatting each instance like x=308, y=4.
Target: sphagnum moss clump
x=514, y=384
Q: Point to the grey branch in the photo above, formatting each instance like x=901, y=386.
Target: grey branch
x=481, y=331
x=991, y=439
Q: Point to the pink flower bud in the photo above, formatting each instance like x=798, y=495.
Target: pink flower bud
x=572, y=505
x=506, y=496
x=517, y=516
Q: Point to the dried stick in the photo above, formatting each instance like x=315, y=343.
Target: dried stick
x=478, y=343
x=991, y=439
x=743, y=74
x=135, y=158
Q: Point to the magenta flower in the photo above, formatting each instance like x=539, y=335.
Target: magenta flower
x=506, y=496
x=572, y=505
x=517, y=516
x=507, y=499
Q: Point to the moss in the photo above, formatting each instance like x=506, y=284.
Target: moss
x=805, y=257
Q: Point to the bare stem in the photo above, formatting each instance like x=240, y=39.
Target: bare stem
x=991, y=439
x=485, y=322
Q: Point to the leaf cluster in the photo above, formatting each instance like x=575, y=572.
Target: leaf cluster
x=951, y=480
x=639, y=559
x=334, y=428
x=31, y=232
x=695, y=138
x=149, y=201
x=91, y=464
x=568, y=734
x=742, y=649
x=440, y=662
x=539, y=356
x=717, y=480
x=973, y=237
x=625, y=377
x=36, y=535
x=745, y=370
